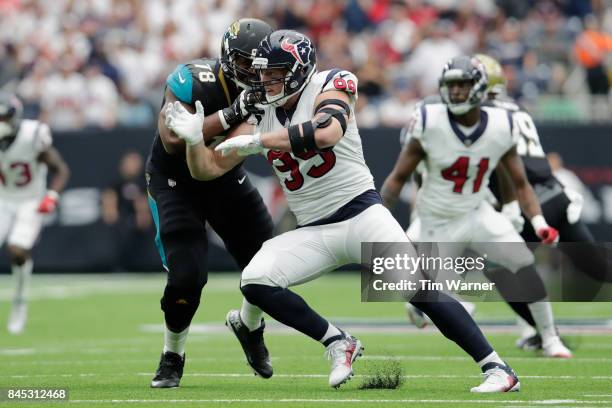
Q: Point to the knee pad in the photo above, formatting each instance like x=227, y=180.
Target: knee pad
x=179, y=306
x=258, y=294
x=186, y=253
x=530, y=284
x=525, y=285
x=18, y=255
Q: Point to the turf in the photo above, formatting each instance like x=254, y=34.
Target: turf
x=99, y=337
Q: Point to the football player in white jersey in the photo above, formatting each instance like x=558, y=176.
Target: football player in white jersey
x=461, y=142
x=554, y=203
x=308, y=133
x=25, y=155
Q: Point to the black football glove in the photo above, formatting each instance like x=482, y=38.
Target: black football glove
x=244, y=106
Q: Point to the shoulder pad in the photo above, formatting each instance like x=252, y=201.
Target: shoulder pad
x=506, y=104
x=340, y=80
x=42, y=137
x=415, y=126
x=180, y=83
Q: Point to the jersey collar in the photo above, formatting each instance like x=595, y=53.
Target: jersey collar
x=469, y=140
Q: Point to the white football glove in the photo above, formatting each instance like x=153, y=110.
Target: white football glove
x=186, y=125
x=244, y=145
x=574, y=209
x=512, y=211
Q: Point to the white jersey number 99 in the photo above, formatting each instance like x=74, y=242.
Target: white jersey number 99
x=529, y=140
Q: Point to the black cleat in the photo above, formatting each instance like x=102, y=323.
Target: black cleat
x=169, y=372
x=252, y=343
x=530, y=343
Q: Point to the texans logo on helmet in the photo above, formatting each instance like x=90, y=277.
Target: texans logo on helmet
x=295, y=49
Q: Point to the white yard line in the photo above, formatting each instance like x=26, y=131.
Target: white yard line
x=71, y=286
x=17, y=352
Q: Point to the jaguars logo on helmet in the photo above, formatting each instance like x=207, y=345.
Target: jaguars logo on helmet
x=464, y=68
x=233, y=30
x=241, y=40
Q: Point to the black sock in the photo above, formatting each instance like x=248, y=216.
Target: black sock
x=454, y=322
x=288, y=308
x=522, y=309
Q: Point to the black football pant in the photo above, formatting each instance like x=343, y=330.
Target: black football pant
x=180, y=209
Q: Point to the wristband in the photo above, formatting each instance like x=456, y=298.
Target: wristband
x=538, y=222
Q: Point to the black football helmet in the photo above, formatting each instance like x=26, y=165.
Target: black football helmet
x=464, y=68
x=241, y=39
x=11, y=112
x=289, y=50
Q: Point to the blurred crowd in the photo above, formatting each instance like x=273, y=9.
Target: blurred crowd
x=103, y=63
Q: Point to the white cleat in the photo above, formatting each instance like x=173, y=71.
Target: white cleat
x=554, y=347
x=498, y=378
x=18, y=317
x=342, y=353
x=416, y=316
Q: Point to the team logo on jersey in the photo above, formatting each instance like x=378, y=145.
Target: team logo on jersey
x=299, y=50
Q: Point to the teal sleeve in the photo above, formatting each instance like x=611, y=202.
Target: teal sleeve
x=180, y=83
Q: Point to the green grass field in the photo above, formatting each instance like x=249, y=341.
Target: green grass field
x=100, y=337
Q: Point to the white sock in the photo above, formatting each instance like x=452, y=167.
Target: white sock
x=332, y=331
x=544, y=320
x=22, y=275
x=250, y=315
x=175, y=342
x=491, y=358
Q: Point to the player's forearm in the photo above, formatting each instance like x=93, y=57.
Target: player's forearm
x=506, y=187
x=60, y=178
x=201, y=162
x=528, y=201
x=172, y=143
x=390, y=191
x=58, y=168
x=276, y=140
x=323, y=137
x=212, y=126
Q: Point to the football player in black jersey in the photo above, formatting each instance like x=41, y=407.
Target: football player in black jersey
x=181, y=206
x=561, y=206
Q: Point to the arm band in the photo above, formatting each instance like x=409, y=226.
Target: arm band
x=223, y=121
x=309, y=136
x=295, y=139
x=339, y=102
x=306, y=143
x=299, y=143
x=335, y=113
